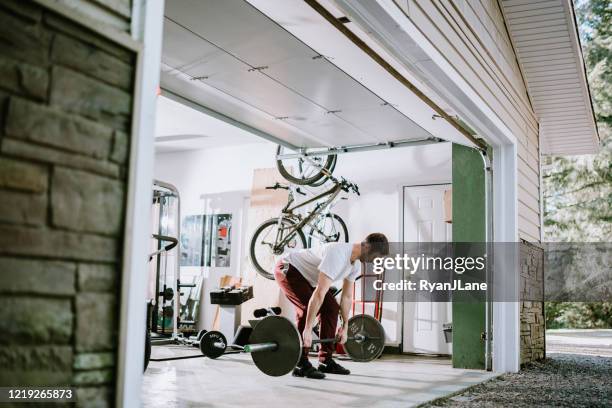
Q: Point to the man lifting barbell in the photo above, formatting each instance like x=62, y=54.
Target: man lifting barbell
x=305, y=277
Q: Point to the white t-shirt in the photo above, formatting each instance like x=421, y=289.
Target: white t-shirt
x=332, y=259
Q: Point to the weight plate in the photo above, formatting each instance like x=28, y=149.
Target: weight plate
x=281, y=331
x=374, y=343
x=200, y=334
x=208, y=344
x=168, y=294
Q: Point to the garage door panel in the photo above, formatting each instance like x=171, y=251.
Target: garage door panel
x=263, y=92
x=384, y=123
x=206, y=96
x=217, y=63
x=181, y=47
x=332, y=129
x=255, y=72
x=323, y=83
x=251, y=37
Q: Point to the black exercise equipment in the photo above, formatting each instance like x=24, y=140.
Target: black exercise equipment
x=168, y=320
x=275, y=344
x=213, y=344
x=368, y=338
x=200, y=334
x=242, y=335
x=270, y=311
x=167, y=294
x=231, y=295
x=147, y=353
x=173, y=242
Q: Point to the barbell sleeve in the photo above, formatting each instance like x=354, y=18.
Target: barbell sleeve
x=257, y=347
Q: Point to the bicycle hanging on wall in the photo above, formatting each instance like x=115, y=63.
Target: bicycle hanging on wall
x=286, y=232
x=302, y=169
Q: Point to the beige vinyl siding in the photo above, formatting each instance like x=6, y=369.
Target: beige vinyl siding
x=472, y=36
x=547, y=46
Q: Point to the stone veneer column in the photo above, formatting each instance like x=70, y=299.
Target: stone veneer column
x=532, y=304
x=65, y=113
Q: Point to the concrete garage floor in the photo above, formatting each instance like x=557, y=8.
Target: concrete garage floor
x=233, y=380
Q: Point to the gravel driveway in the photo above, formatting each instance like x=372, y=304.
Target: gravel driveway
x=576, y=373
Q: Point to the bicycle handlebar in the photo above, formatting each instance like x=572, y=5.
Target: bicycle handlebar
x=278, y=185
x=347, y=185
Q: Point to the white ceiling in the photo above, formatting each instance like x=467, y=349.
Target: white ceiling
x=231, y=58
x=548, y=48
x=180, y=127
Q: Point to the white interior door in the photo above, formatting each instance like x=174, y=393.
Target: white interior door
x=424, y=222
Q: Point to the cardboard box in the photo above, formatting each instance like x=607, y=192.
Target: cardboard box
x=448, y=206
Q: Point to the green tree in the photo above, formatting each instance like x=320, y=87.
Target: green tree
x=578, y=189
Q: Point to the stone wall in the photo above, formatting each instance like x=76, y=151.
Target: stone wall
x=532, y=303
x=65, y=112
x=112, y=13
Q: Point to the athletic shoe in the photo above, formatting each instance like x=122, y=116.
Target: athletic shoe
x=331, y=367
x=307, y=370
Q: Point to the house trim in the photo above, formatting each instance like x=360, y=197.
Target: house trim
x=445, y=80
x=147, y=28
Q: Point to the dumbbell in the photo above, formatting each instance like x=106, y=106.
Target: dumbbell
x=270, y=311
x=276, y=345
x=167, y=294
x=213, y=344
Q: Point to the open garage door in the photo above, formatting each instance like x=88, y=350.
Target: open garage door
x=281, y=71
x=238, y=64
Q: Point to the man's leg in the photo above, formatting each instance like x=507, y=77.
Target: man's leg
x=298, y=291
x=328, y=318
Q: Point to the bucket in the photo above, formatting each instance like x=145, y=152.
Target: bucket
x=447, y=328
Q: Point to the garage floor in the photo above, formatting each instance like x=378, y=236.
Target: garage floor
x=233, y=380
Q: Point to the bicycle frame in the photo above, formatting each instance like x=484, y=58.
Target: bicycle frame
x=288, y=211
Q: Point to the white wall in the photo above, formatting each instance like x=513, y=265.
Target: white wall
x=214, y=181
x=218, y=181
x=380, y=175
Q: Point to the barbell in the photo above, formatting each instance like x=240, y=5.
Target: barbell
x=276, y=345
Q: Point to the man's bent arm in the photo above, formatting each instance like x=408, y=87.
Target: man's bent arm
x=345, y=301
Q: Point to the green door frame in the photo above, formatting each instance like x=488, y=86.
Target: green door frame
x=472, y=222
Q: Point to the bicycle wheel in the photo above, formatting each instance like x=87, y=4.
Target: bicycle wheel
x=263, y=253
x=330, y=228
x=304, y=172
x=323, y=179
